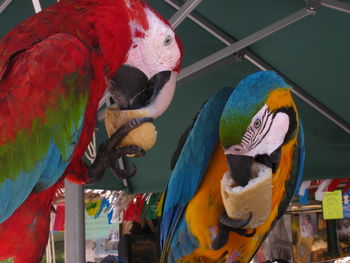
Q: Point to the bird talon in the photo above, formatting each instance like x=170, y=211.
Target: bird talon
x=234, y=223
x=123, y=131
x=108, y=153
x=131, y=150
x=134, y=123
x=244, y=232
x=123, y=173
x=221, y=238
x=106, y=158
x=133, y=171
x=227, y=225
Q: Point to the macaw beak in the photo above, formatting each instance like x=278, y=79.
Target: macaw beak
x=240, y=166
x=163, y=84
x=131, y=89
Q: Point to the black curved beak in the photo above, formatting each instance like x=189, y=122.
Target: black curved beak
x=240, y=168
x=271, y=160
x=131, y=89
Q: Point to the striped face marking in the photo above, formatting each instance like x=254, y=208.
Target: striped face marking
x=264, y=134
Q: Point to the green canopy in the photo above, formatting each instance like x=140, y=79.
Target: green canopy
x=307, y=42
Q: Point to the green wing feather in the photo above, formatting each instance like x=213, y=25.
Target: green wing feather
x=44, y=92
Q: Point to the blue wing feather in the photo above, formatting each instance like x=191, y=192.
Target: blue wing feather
x=45, y=174
x=18, y=188
x=188, y=173
x=42, y=148
x=301, y=146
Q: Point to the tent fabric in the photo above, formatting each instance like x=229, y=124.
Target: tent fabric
x=313, y=53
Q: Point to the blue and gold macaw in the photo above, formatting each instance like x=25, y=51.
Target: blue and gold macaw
x=239, y=139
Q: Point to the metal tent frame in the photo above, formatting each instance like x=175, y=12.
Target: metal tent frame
x=236, y=51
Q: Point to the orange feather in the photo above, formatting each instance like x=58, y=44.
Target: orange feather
x=204, y=209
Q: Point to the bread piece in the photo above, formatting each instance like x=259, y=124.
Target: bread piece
x=143, y=136
x=255, y=197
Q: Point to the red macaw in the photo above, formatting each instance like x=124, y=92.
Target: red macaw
x=54, y=68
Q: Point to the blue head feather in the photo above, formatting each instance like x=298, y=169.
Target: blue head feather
x=245, y=101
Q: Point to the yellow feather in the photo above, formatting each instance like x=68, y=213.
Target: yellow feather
x=160, y=205
x=205, y=208
x=280, y=98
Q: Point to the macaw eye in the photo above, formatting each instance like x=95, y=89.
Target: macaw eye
x=167, y=40
x=257, y=123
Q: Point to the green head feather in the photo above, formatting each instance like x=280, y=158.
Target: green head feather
x=245, y=101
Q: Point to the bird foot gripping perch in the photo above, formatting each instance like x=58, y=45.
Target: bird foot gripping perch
x=109, y=152
x=227, y=225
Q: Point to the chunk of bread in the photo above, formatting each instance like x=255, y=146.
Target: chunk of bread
x=143, y=136
x=255, y=197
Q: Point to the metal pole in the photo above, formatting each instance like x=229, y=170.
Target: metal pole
x=337, y=5
x=332, y=238
x=245, y=42
x=4, y=4
x=261, y=64
x=182, y=13
x=74, y=235
x=204, y=23
x=37, y=6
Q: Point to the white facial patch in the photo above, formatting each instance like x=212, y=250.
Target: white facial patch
x=274, y=137
x=155, y=52
x=264, y=135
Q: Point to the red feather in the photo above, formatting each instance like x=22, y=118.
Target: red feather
x=26, y=231
x=103, y=30
x=102, y=27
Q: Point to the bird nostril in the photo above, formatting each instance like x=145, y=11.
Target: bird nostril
x=237, y=149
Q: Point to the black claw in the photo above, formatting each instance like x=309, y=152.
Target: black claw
x=234, y=223
x=222, y=237
x=133, y=150
x=108, y=153
x=123, y=173
x=134, y=170
x=137, y=122
x=244, y=232
x=227, y=225
x=119, y=135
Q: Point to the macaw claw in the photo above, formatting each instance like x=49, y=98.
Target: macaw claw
x=123, y=131
x=235, y=223
x=244, y=232
x=108, y=153
x=124, y=173
x=123, y=151
x=227, y=225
